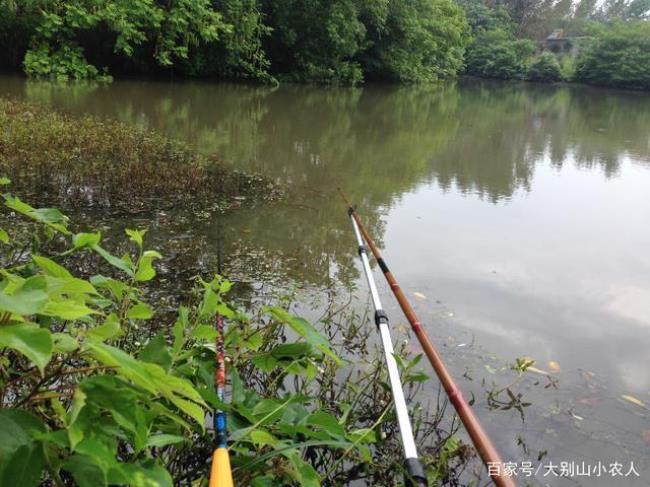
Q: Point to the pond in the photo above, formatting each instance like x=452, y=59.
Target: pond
x=518, y=213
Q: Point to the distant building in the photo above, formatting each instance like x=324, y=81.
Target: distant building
x=557, y=42
x=560, y=43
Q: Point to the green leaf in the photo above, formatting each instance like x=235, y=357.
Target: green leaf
x=75, y=434
x=157, y=352
x=209, y=303
x=140, y=311
x=147, y=474
x=24, y=467
x=136, y=236
x=262, y=437
x=117, y=288
x=110, y=329
x=33, y=342
x=119, y=262
x=70, y=286
x=82, y=240
x=205, y=332
x=85, y=471
x=4, y=181
x=51, y=217
x=158, y=441
x=4, y=236
x=145, y=271
x=28, y=299
x=67, y=310
x=179, y=328
x=50, y=267
x=17, y=428
x=152, y=378
x=64, y=343
x=303, y=472
x=291, y=350
x=303, y=328
x=326, y=422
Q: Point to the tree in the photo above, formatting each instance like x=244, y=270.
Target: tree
x=418, y=40
x=497, y=54
x=619, y=55
x=316, y=40
x=168, y=28
x=545, y=68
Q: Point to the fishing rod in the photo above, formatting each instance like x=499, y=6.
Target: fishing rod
x=484, y=446
x=414, y=472
x=220, y=473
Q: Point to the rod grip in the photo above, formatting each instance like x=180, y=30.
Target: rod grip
x=415, y=476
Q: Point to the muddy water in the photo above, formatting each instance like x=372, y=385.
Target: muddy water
x=520, y=214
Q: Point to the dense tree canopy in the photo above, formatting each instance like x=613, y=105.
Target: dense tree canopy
x=617, y=56
x=315, y=40
x=329, y=41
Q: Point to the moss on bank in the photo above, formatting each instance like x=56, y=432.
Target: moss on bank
x=70, y=161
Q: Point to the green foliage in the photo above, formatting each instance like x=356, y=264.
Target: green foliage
x=340, y=41
x=238, y=52
x=483, y=18
x=90, y=396
x=316, y=40
x=169, y=29
x=497, y=54
x=617, y=56
x=417, y=40
x=545, y=67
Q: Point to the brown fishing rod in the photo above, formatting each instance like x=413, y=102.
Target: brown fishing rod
x=484, y=446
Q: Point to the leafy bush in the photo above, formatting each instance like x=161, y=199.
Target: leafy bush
x=168, y=28
x=68, y=62
x=545, y=68
x=497, y=54
x=416, y=41
x=338, y=41
x=618, y=55
x=238, y=53
x=98, y=387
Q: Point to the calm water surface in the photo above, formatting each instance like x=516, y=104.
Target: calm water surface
x=520, y=212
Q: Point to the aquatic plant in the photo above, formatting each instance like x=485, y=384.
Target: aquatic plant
x=64, y=159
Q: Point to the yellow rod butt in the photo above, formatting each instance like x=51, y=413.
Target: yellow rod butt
x=220, y=474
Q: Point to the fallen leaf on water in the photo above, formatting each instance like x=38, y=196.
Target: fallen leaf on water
x=537, y=371
x=634, y=400
x=419, y=296
x=646, y=436
x=554, y=366
x=575, y=416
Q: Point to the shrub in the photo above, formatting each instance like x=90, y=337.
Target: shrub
x=545, y=68
x=497, y=54
x=416, y=41
x=619, y=55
